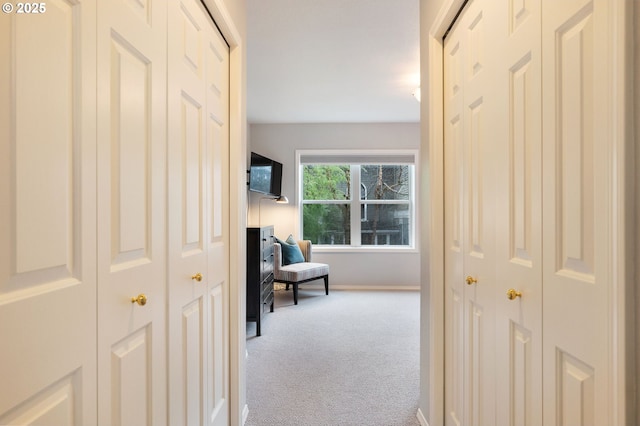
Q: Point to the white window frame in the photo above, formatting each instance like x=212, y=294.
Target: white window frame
x=360, y=157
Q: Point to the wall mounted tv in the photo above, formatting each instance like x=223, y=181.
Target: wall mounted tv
x=265, y=175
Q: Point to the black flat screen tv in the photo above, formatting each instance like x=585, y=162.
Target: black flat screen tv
x=265, y=175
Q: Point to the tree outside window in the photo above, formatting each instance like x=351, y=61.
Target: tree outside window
x=385, y=224
x=382, y=203
x=327, y=222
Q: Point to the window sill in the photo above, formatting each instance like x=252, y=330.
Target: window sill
x=318, y=248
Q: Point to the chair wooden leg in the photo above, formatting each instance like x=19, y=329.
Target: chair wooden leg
x=295, y=294
x=326, y=284
x=287, y=287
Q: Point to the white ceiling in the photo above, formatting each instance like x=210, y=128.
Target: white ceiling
x=329, y=61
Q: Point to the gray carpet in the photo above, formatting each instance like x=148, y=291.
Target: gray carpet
x=350, y=358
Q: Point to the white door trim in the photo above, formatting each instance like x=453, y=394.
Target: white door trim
x=237, y=209
x=635, y=116
x=625, y=210
x=433, y=204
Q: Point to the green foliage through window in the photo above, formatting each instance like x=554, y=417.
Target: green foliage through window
x=382, y=201
x=326, y=182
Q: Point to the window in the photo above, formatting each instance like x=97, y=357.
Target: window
x=357, y=200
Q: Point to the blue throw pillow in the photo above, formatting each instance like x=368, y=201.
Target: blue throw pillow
x=291, y=252
x=291, y=240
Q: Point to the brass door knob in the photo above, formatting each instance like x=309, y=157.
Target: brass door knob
x=197, y=277
x=512, y=294
x=140, y=300
x=470, y=280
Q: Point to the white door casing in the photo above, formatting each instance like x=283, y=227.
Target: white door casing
x=48, y=216
x=198, y=116
x=131, y=192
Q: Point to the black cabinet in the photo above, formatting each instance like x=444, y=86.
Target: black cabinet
x=259, y=273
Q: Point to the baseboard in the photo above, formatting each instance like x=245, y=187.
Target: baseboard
x=245, y=414
x=354, y=287
x=421, y=418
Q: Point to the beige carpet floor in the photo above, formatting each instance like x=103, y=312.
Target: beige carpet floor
x=349, y=358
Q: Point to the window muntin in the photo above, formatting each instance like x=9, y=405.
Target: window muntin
x=380, y=213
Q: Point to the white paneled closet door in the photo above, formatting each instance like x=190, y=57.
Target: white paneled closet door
x=454, y=178
x=530, y=129
x=470, y=212
x=198, y=105
x=131, y=212
x=578, y=199
x=478, y=26
x=48, y=216
x=519, y=215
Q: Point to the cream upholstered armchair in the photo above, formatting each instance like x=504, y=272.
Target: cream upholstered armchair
x=300, y=272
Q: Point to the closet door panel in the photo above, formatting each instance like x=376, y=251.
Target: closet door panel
x=217, y=365
x=187, y=143
x=198, y=217
x=131, y=212
x=519, y=217
x=217, y=83
x=479, y=25
x=192, y=393
x=454, y=279
x=131, y=379
x=187, y=209
x=47, y=215
x=473, y=121
x=469, y=267
x=578, y=212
